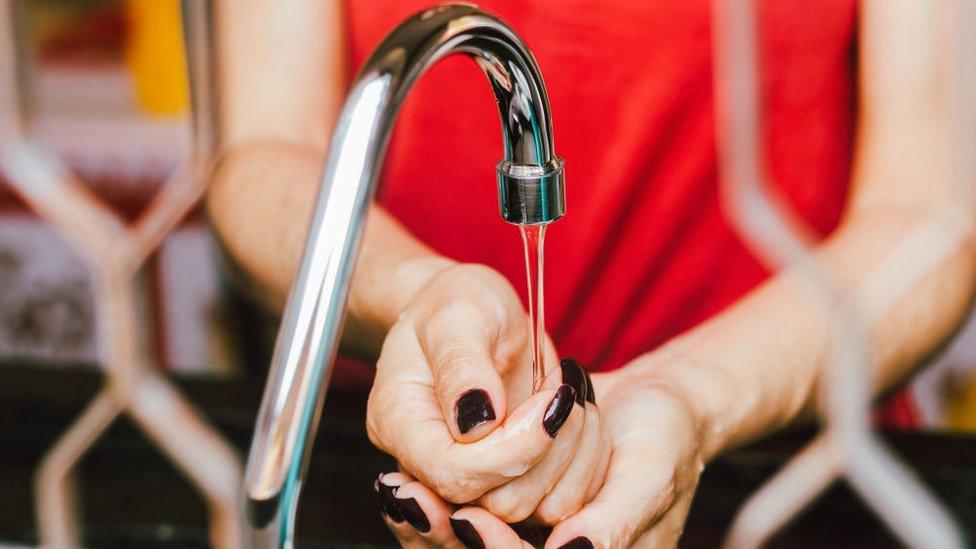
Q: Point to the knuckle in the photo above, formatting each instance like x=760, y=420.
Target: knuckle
x=376, y=417
x=457, y=495
x=452, y=356
x=488, y=290
x=476, y=272
x=452, y=311
x=453, y=487
x=373, y=433
x=552, y=511
x=508, y=506
x=550, y=515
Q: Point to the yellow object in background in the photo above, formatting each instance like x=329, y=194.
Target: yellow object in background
x=154, y=51
x=961, y=409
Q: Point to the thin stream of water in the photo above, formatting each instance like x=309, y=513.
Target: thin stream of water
x=533, y=238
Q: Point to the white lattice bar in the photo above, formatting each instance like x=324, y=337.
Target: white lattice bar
x=114, y=252
x=847, y=447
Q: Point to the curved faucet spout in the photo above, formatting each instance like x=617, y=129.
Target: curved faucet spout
x=530, y=192
x=530, y=177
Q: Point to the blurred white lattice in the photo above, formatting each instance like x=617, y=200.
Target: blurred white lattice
x=113, y=252
x=847, y=447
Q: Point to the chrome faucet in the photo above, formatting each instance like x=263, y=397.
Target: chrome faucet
x=530, y=192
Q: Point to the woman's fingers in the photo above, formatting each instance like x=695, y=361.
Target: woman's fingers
x=405, y=420
x=602, y=465
x=462, y=472
x=667, y=531
x=472, y=330
x=623, y=508
x=587, y=471
x=456, y=343
x=477, y=528
x=416, y=515
x=572, y=487
x=515, y=500
x=460, y=347
x=576, y=375
x=427, y=514
x=573, y=456
x=653, y=467
x=386, y=487
x=447, y=382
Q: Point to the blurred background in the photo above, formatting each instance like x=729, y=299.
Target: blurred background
x=108, y=94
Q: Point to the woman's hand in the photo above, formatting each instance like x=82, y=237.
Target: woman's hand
x=654, y=465
x=421, y=518
x=653, y=472
x=443, y=403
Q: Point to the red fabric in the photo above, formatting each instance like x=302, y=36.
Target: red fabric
x=899, y=411
x=644, y=251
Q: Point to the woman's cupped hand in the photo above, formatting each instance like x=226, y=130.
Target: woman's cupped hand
x=453, y=403
x=627, y=481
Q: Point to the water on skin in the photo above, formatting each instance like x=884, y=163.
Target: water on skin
x=533, y=238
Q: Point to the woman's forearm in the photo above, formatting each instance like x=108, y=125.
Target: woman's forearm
x=283, y=76
x=904, y=258
x=282, y=69
x=756, y=366
x=260, y=203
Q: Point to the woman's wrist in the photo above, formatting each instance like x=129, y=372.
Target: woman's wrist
x=380, y=292
x=718, y=417
x=393, y=290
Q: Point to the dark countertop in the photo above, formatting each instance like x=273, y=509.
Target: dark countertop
x=131, y=496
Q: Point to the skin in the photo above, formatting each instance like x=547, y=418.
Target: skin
x=623, y=474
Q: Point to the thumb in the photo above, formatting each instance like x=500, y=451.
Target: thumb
x=458, y=343
x=650, y=478
x=624, y=507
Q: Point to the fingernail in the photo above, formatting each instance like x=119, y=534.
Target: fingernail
x=578, y=543
x=414, y=514
x=576, y=375
x=559, y=409
x=466, y=534
x=473, y=409
x=388, y=503
x=590, y=391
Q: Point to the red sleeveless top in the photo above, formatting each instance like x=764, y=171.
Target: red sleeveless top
x=644, y=251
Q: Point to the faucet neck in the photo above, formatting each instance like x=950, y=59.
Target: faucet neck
x=530, y=178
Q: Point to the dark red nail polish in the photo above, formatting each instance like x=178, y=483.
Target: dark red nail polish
x=414, y=514
x=466, y=534
x=473, y=409
x=388, y=503
x=559, y=409
x=576, y=375
x=590, y=391
x=578, y=543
